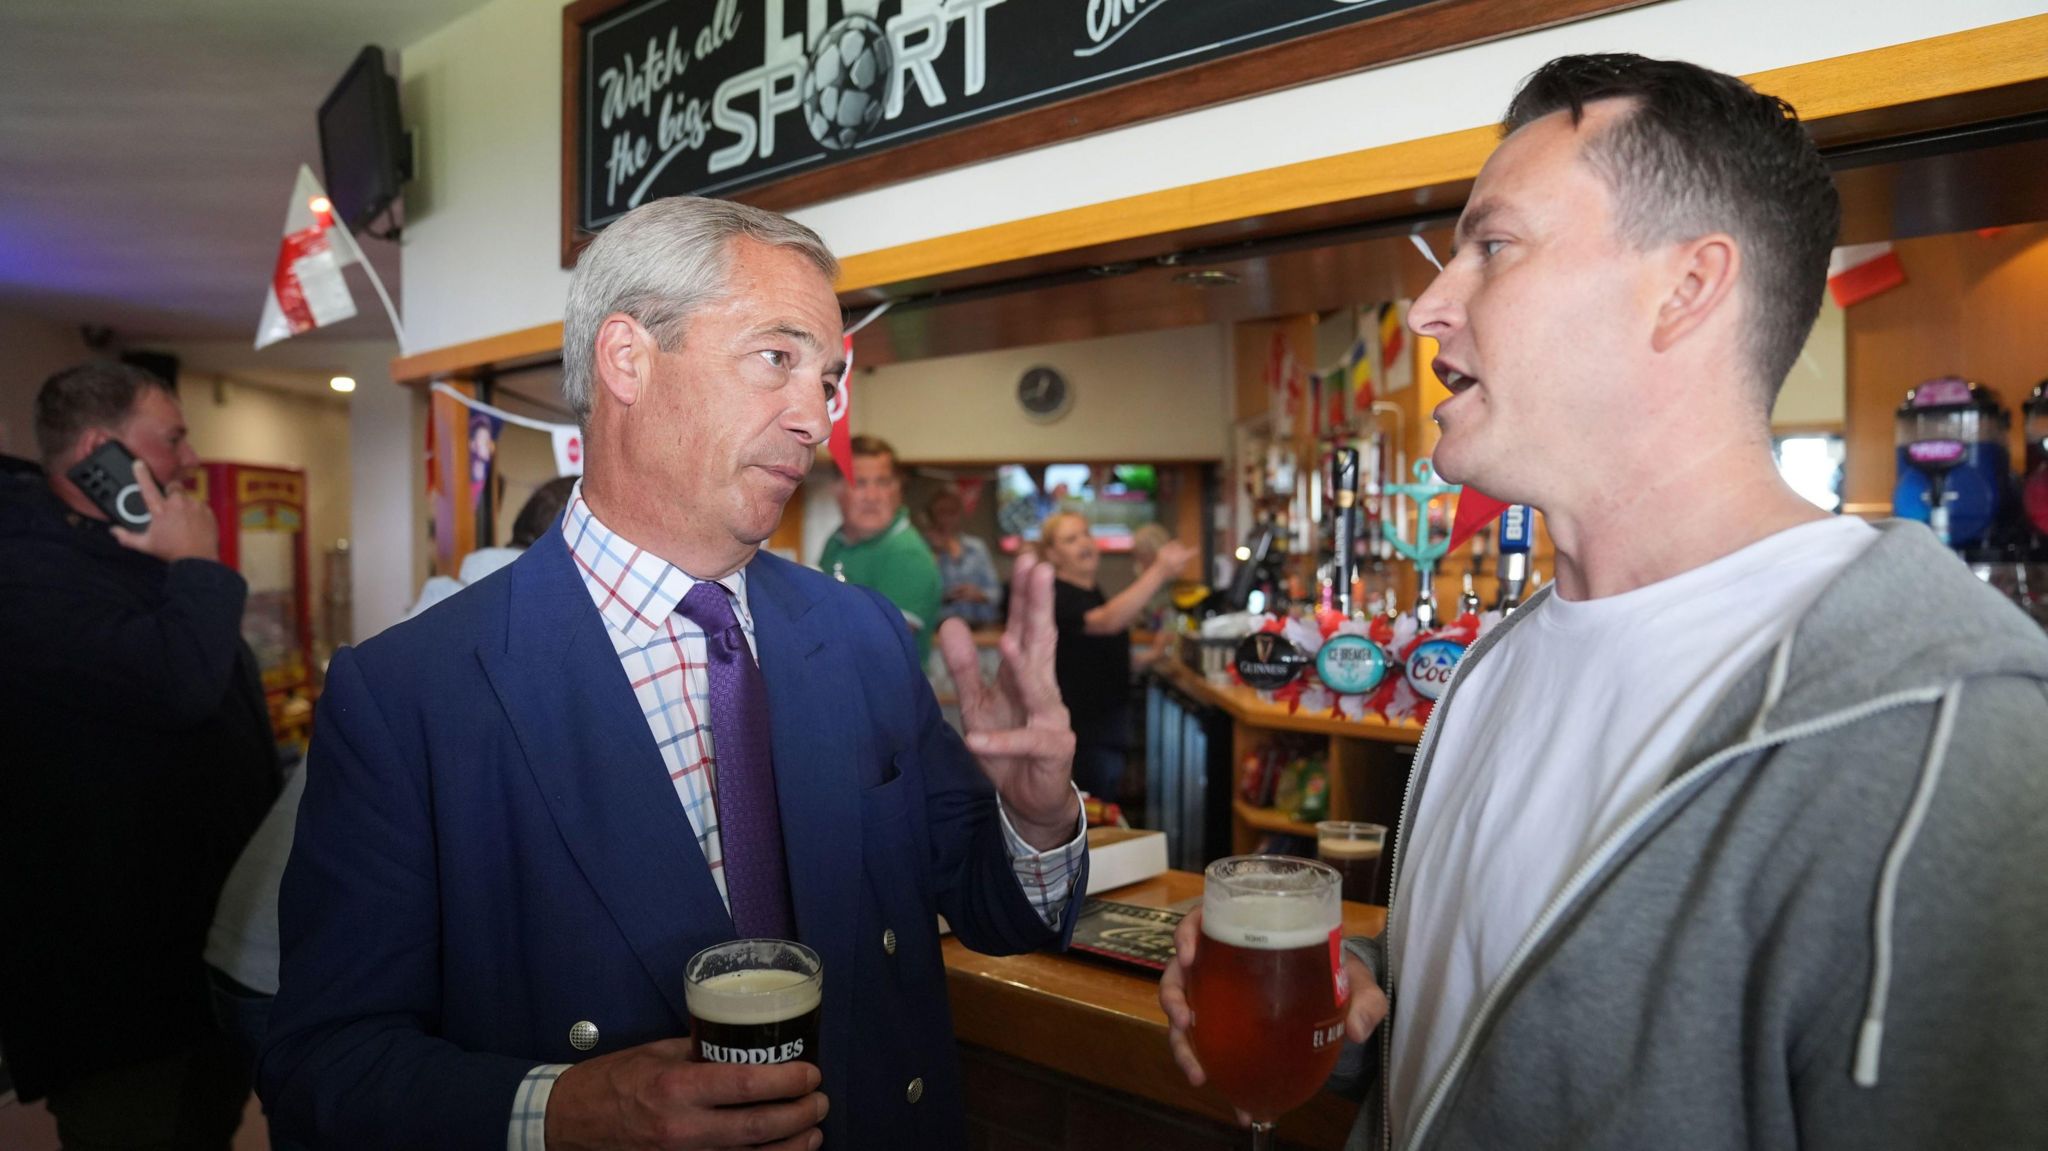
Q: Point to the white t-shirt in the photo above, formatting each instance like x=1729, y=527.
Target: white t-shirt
x=1566, y=726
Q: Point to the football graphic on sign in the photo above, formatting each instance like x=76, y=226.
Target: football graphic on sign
x=846, y=86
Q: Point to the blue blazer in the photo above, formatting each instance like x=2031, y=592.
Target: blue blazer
x=490, y=851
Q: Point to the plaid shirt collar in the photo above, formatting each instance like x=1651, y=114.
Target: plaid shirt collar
x=635, y=590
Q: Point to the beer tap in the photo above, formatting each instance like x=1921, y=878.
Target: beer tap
x=1343, y=529
x=1426, y=618
x=1428, y=546
x=1516, y=530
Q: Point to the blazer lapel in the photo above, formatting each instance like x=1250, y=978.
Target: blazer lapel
x=594, y=759
x=813, y=705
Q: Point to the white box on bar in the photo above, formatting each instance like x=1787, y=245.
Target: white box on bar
x=1120, y=856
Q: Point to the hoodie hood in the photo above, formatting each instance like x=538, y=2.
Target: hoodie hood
x=1854, y=653
x=1853, y=646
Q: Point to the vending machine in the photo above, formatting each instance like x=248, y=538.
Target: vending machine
x=262, y=516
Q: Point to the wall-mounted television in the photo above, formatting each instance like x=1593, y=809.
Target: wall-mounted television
x=363, y=147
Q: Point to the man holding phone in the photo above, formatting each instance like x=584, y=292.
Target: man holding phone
x=139, y=760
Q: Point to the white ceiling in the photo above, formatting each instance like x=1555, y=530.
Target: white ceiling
x=148, y=147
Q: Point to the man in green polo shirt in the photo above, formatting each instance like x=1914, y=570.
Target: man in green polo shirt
x=877, y=547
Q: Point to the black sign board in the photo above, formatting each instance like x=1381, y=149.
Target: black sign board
x=784, y=102
x=711, y=97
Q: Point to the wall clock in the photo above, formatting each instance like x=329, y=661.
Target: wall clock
x=1044, y=394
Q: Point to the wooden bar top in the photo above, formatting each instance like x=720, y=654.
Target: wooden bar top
x=1101, y=1021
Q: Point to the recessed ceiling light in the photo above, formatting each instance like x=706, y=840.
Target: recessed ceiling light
x=342, y=383
x=1208, y=278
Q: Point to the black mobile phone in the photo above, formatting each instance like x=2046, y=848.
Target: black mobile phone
x=107, y=477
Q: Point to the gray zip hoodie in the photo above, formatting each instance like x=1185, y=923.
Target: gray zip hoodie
x=1821, y=931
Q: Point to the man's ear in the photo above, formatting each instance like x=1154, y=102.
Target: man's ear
x=1705, y=272
x=625, y=359
x=87, y=443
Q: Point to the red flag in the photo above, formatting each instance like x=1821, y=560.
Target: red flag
x=1860, y=271
x=841, y=411
x=1476, y=509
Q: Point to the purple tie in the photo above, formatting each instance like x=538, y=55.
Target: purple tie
x=749, y=822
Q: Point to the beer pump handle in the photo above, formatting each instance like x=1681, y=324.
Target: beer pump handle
x=1344, y=486
x=1517, y=532
x=1426, y=618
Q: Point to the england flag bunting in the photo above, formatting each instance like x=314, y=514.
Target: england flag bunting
x=307, y=290
x=841, y=411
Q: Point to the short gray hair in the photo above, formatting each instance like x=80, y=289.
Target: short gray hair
x=659, y=263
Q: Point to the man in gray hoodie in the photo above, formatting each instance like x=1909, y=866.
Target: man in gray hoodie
x=1733, y=837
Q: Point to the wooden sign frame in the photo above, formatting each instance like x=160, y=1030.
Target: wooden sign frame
x=1434, y=27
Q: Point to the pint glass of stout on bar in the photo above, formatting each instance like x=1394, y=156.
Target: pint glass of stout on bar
x=755, y=1001
x=1354, y=849
x=1264, y=987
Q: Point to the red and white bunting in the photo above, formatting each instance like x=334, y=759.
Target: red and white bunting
x=1860, y=271
x=307, y=290
x=841, y=411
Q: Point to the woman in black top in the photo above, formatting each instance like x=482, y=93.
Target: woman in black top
x=1094, y=660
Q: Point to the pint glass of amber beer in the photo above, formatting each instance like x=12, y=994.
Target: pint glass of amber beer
x=755, y=1001
x=1265, y=987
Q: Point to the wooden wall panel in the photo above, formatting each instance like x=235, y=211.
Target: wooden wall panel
x=1972, y=305
x=454, y=514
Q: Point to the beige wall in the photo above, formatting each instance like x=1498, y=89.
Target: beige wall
x=380, y=444
x=34, y=350
x=1155, y=396
x=233, y=422
x=1815, y=391
x=483, y=218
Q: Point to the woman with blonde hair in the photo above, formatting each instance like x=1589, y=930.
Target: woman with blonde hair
x=1093, y=663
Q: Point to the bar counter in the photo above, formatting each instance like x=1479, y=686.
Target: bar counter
x=1101, y=1023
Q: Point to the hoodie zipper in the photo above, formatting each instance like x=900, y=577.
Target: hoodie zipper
x=1597, y=863
x=1424, y=748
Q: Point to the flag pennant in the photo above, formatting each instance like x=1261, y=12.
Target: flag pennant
x=568, y=445
x=841, y=411
x=1358, y=365
x=1397, y=351
x=1476, y=509
x=307, y=290
x=1860, y=271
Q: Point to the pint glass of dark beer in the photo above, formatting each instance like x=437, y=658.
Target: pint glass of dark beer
x=1265, y=988
x=1354, y=849
x=755, y=1001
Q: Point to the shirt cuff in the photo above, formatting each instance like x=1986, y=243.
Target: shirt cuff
x=529, y=1129
x=1047, y=877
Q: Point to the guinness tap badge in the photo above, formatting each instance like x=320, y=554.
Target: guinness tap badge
x=1269, y=661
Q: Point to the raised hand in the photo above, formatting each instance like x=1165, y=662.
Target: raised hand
x=180, y=527
x=1017, y=726
x=1173, y=556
